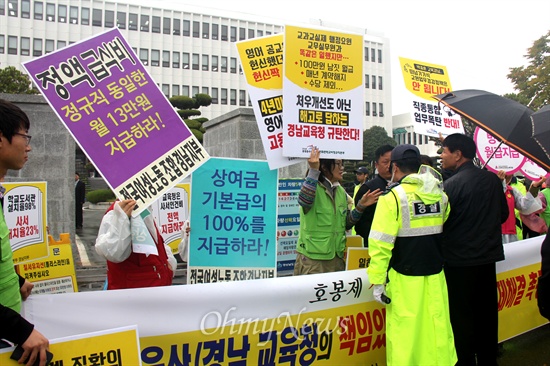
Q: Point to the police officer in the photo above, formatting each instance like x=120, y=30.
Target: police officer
x=407, y=264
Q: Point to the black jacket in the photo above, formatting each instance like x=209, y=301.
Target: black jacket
x=14, y=327
x=362, y=227
x=544, y=280
x=472, y=234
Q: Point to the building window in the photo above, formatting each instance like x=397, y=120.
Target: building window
x=185, y=90
x=214, y=63
x=121, y=19
x=260, y=33
x=242, y=34
x=379, y=56
x=381, y=109
x=97, y=17
x=267, y=33
x=175, y=90
x=12, y=45
x=132, y=21
x=224, y=33
x=25, y=46
x=205, y=66
x=144, y=56
x=204, y=90
x=196, y=29
x=38, y=10
x=373, y=82
x=25, y=9
x=73, y=15
x=155, y=57
x=12, y=9
x=250, y=33
x=166, y=25
x=2, y=40
x=233, y=61
x=242, y=98
x=85, y=16
x=177, y=27
x=214, y=95
x=367, y=108
x=380, y=82
x=224, y=96
x=2, y=7
x=186, y=28
x=372, y=54
x=144, y=23
x=224, y=64
x=109, y=19
x=166, y=90
x=194, y=91
x=61, y=44
x=233, y=96
x=215, y=31
x=50, y=12
x=366, y=55
x=185, y=60
x=62, y=13
x=195, y=61
x=50, y=46
x=367, y=81
x=374, y=110
x=176, y=60
x=37, y=47
x=233, y=34
x=205, y=30
x=165, y=58
x=155, y=26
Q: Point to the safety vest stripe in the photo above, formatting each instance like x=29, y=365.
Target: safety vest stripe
x=387, y=238
x=405, y=211
x=420, y=231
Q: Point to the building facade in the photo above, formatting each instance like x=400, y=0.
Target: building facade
x=187, y=50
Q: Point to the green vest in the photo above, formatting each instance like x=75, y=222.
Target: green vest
x=322, y=229
x=9, y=281
x=546, y=213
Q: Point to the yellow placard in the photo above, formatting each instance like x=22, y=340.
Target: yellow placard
x=323, y=61
x=357, y=258
x=262, y=61
x=424, y=79
x=54, y=274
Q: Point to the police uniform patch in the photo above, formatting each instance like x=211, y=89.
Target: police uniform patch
x=421, y=209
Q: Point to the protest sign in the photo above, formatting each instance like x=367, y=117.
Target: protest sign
x=262, y=64
x=117, y=114
x=423, y=80
x=233, y=221
x=288, y=224
x=495, y=155
x=25, y=212
x=323, y=93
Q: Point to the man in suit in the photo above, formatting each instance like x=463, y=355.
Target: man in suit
x=80, y=197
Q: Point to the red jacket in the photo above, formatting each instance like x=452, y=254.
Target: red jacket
x=509, y=226
x=140, y=270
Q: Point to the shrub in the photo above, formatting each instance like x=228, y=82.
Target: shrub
x=100, y=195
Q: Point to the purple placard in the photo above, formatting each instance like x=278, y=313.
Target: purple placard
x=110, y=104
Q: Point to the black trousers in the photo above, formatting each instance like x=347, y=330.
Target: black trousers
x=473, y=305
x=78, y=214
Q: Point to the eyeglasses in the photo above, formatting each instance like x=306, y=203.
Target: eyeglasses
x=27, y=137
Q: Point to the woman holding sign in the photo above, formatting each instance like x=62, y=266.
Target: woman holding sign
x=324, y=216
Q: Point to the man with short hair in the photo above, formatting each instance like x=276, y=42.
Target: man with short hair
x=382, y=157
x=79, y=198
x=472, y=244
x=406, y=261
x=14, y=149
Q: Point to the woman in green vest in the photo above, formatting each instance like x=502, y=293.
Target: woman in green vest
x=324, y=217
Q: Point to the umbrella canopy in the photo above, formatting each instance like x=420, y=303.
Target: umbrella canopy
x=503, y=118
x=540, y=121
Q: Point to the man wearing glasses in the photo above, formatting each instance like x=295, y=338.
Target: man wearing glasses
x=14, y=150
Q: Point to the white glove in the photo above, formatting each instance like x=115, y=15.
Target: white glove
x=379, y=293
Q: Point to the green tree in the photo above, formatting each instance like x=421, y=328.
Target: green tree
x=189, y=107
x=532, y=82
x=13, y=81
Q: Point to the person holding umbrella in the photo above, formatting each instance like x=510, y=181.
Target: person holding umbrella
x=472, y=244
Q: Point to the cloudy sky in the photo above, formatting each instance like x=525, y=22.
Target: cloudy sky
x=478, y=41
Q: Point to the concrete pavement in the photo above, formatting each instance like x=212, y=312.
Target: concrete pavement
x=529, y=349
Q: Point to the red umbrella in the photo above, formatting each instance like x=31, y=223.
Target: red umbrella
x=504, y=118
